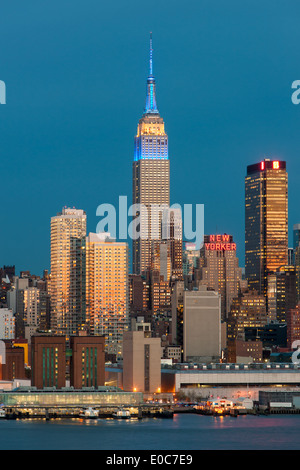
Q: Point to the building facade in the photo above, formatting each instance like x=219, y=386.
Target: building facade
x=107, y=290
x=48, y=361
x=141, y=362
x=266, y=221
x=151, y=177
x=296, y=257
x=67, y=283
x=13, y=367
x=201, y=325
x=87, y=366
x=293, y=327
x=220, y=269
x=248, y=310
x=7, y=324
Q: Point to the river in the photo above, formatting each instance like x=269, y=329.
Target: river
x=184, y=432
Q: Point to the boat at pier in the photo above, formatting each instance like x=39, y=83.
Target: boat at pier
x=89, y=413
x=122, y=414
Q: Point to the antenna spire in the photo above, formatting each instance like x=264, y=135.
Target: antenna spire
x=151, y=52
x=151, y=106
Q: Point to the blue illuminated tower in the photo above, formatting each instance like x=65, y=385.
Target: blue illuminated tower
x=151, y=175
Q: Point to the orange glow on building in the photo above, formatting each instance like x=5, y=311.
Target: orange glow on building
x=107, y=293
x=68, y=230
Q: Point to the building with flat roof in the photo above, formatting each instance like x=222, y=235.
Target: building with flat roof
x=33, y=397
x=201, y=325
x=293, y=326
x=141, y=362
x=12, y=365
x=266, y=221
x=219, y=268
x=239, y=351
x=107, y=291
x=67, y=283
x=48, y=361
x=87, y=364
x=7, y=324
x=248, y=310
x=296, y=257
x=229, y=379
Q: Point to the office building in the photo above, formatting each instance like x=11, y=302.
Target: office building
x=293, y=327
x=172, y=234
x=160, y=295
x=7, y=324
x=286, y=294
x=201, y=325
x=161, y=260
x=29, y=301
x=141, y=362
x=6, y=276
x=245, y=352
x=296, y=257
x=87, y=365
x=248, y=310
x=190, y=265
x=266, y=221
x=13, y=366
x=151, y=177
x=107, y=290
x=272, y=334
x=48, y=361
x=219, y=268
x=67, y=283
x=177, y=314
x=139, y=297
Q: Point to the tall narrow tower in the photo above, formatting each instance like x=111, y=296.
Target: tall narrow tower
x=67, y=284
x=266, y=221
x=151, y=176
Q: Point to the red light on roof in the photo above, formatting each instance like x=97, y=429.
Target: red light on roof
x=262, y=165
x=275, y=165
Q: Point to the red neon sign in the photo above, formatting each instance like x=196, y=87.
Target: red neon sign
x=220, y=243
x=220, y=246
x=219, y=238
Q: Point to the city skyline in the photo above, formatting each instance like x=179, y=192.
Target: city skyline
x=64, y=160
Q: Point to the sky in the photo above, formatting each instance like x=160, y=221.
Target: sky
x=75, y=74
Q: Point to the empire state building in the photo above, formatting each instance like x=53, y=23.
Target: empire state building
x=151, y=176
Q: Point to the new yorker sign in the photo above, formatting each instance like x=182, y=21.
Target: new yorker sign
x=219, y=243
x=2, y=92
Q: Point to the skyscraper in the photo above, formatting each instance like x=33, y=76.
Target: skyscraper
x=266, y=221
x=190, y=265
x=219, y=268
x=172, y=234
x=296, y=256
x=67, y=283
x=248, y=310
x=107, y=293
x=151, y=176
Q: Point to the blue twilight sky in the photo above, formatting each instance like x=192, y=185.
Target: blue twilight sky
x=75, y=72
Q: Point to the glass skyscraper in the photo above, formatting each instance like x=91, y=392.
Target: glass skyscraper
x=296, y=255
x=266, y=221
